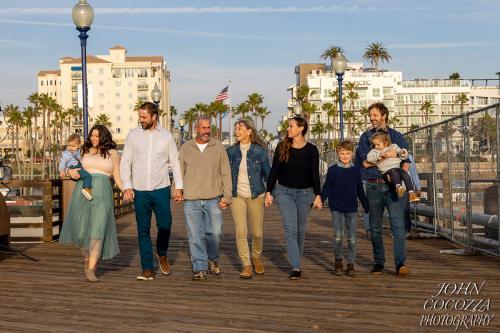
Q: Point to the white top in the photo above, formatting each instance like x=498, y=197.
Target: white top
x=384, y=165
x=243, y=187
x=202, y=146
x=146, y=157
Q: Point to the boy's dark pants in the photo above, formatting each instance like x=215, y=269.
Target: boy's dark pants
x=84, y=176
x=395, y=176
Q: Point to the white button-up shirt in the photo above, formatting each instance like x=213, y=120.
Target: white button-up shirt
x=146, y=157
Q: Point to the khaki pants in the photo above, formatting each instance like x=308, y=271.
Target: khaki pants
x=255, y=209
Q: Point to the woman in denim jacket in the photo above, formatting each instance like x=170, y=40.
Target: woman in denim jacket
x=250, y=169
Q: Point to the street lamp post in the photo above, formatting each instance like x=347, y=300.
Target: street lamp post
x=156, y=95
x=83, y=15
x=182, y=122
x=339, y=66
x=297, y=109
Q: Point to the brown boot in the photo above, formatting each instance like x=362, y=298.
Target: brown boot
x=164, y=264
x=246, y=272
x=412, y=196
x=258, y=265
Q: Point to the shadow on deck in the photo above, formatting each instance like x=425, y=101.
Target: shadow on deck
x=52, y=295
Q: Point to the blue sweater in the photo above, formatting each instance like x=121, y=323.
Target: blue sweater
x=342, y=188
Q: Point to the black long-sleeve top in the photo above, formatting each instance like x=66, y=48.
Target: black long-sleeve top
x=300, y=171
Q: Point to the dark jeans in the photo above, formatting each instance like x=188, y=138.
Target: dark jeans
x=379, y=197
x=396, y=177
x=85, y=176
x=145, y=203
x=407, y=216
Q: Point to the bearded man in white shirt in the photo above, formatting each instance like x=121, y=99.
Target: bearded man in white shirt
x=148, y=151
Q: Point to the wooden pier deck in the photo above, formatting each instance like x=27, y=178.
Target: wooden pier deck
x=52, y=296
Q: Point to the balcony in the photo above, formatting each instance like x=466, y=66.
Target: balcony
x=142, y=87
x=76, y=75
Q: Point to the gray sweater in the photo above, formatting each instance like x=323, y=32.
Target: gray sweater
x=385, y=164
x=206, y=175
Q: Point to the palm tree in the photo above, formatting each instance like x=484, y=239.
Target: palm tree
x=15, y=119
x=44, y=103
x=262, y=112
x=254, y=100
x=366, y=114
x=218, y=109
x=454, y=76
x=241, y=110
x=72, y=114
x=426, y=108
x=376, y=52
x=331, y=52
x=331, y=111
x=190, y=117
x=103, y=119
x=317, y=130
x=462, y=99
x=29, y=114
x=138, y=104
x=173, y=113
x=302, y=94
x=484, y=129
x=35, y=100
x=308, y=109
x=352, y=96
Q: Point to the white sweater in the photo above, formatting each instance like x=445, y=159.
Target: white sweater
x=385, y=164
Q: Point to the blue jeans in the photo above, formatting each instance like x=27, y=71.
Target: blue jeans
x=341, y=220
x=204, y=228
x=85, y=176
x=379, y=197
x=294, y=205
x=145, y=203
x=366, y=217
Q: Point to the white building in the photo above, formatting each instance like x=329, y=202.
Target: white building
x=404, y=98
x=115, y=81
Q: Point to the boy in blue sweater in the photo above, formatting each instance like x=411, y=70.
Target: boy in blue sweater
x=343, y=186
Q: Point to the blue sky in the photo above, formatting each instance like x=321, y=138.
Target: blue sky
x=255, y=44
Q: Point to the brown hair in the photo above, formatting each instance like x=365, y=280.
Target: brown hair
x=150, y=107
x=106, y=142
x=382, y=136
x=254, y=136
x=287, y=142
x=73, y=138
x=345, y=145
x=384, y=111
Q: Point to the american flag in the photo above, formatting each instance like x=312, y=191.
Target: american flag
x=224, y=94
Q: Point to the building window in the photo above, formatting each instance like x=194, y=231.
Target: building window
x=50, y=83
x=130, y=107
x=118, y=130
x=376, y=92
x=101, y=83
x=118, y=83
x=117, y=95
x=130, y=95
x=101, y=95
x=101, y=71
x=118, y=106
x=130, y=118
x=130, y=83
x=41, y=82
x=101, y=107
x=118, y=118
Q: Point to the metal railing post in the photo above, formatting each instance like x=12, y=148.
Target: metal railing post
x=468, y=199
x=450, y=187
x=434, y=179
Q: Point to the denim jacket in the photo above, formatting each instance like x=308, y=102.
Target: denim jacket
x=258, y=168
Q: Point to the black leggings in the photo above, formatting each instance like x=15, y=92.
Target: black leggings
x=397, y=175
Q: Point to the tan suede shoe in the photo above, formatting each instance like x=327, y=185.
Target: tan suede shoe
x=258, y=265
x=246, y=272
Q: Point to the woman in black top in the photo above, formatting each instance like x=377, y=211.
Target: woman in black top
x=296, y=169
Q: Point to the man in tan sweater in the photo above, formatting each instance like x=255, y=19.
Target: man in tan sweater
x=207, y=189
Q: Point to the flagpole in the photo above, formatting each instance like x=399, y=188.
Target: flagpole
x=230, y=115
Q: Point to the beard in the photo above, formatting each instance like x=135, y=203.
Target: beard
x=147, y=125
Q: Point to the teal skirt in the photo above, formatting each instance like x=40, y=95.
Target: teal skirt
x=92, y=219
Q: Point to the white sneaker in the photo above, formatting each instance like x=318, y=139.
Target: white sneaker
x=87, y=194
